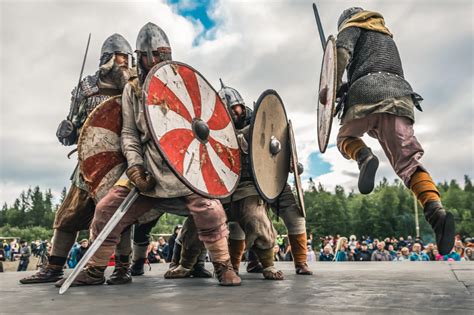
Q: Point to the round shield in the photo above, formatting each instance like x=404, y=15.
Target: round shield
x=327, y=94
x=192, y=129
x=269, y=150
x=99, y=150
x=294, y=163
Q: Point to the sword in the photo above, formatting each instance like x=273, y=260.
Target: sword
x=72, y=109
x=114, y=220
x=320, y=26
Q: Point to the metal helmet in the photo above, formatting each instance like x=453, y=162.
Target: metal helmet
x=115, y=43
x=346, y=14
x=152, y=38
x=230, y=96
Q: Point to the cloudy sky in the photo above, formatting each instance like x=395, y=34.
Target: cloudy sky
x=252, y=46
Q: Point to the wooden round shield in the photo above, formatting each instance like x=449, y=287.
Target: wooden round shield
x=192, y=129
x=294, y=163
x=100, y=155
x=269, y=150
x=327, y=94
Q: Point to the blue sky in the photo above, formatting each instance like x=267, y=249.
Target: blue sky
x=196, y=11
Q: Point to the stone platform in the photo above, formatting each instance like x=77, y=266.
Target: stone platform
x=375, y=288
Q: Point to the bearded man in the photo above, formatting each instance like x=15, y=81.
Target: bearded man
x=77, y=210
x=159, y=188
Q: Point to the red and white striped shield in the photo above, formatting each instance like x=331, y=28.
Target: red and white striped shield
x=192, y=129
x=100, y=157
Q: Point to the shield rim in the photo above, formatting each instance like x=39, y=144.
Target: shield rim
x=252, y=123
x=82, y=135
x=156, y=143
x=294, y=160
x=331, y=40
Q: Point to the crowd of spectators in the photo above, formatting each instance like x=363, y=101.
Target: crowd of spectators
x=337, y=248
x=21, y=251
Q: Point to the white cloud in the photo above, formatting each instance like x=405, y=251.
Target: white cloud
x=255, y=45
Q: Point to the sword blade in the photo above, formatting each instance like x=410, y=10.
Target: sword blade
x=114, y=220
x=320, y=26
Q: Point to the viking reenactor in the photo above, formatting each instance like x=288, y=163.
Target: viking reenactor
x=76, y=211
x=379, y=101
x=161, y=182
x=289, y=211
x=285, y=206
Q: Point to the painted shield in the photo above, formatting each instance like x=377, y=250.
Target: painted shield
x=327, y=94
x=294, y=163
x=269, y=146
x=192, y=129
x=100, y=156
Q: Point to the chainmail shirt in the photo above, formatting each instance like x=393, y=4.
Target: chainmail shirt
x=375, y=70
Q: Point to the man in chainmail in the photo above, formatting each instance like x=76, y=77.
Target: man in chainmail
x=76, y=211
x=158, y=186
x=245, y=207
x=243, y=213
x=379, y=101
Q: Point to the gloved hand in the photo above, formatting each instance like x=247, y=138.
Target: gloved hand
x=67, y=133
x=140, y=178
x=342, y=90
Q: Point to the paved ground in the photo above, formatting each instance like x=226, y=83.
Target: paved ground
x=374, y=288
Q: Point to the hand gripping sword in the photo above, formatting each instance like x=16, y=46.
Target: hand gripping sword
x=73, y=108
x=114, y=220
x=320, y=26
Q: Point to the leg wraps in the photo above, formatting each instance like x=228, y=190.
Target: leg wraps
x=218, y=250
x=236, y=250
x=424, y=187
x=62, y=243
x=124, y=248
x=191, y=245
x=351, y=146
x=299, y=248
x=139, y=252
x=141, y=233
x=265, y=256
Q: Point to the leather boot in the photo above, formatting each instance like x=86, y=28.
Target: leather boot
x=90, y=275
x=200, y=271
x=299, y=251
x=442, y=223
x=267, y=260
x=178, y=272
x=50, y=273
x=303, y=269
x=225, y=273
x=271, y=273
x=122, y=273
x=236, y=250
x=138, y=267
x=368, y=164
